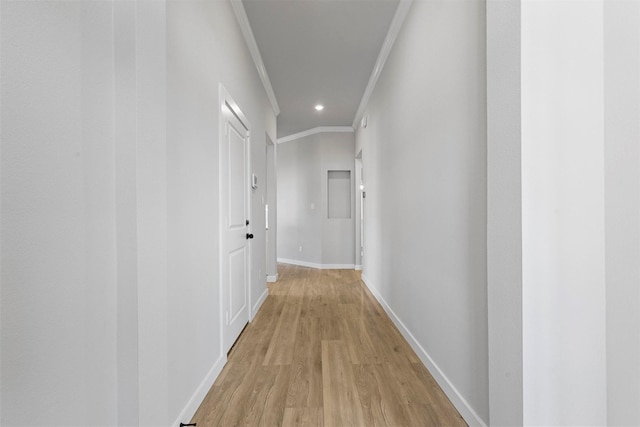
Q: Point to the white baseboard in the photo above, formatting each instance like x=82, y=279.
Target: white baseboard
x=467, y=412
x=201, y=392
x=337, y=266
x=258, y=303
x=273, y=278
x=318, y=266
x=358, y=267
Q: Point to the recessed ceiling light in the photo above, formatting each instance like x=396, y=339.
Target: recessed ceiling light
x=319, y=107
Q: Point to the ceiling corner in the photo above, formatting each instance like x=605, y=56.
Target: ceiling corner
x=243, y=21
x=385, y=50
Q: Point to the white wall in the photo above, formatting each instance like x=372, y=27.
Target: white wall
x=564, y=340
x=622, y=214
x=299, y=203
x=302, y=201
x=579, y=157
x=358, y=211
x=272, y=200
x=109, y=206
x=125, y=105
x=504, y=212
x=424, y=156
x=151, y=211
x=58, y=214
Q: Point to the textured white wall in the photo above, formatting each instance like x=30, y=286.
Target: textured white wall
x=622, y=214
x=287, y=200
x=504, y=212
x=571, y=132
x=58, y=214
x=424, y=155
x=302, y=200
x=151, y=211
x=564, y=336
x=109, y=206
x=299, y=200
x=125, y=130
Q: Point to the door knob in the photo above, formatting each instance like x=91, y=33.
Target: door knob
x=249, y=236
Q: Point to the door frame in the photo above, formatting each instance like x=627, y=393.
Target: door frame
x=359, y=234
x=226, y=101
x=271, y=153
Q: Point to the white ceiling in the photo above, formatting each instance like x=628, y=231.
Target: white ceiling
x=318, y=51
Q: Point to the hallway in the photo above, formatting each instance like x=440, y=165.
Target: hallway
x=484, y=177
x=322, y=351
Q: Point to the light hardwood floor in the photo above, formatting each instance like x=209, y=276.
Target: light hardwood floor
x=322, y=352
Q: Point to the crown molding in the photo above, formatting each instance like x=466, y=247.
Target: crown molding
x=392, y=35
x=320, y=129
x=243, y=21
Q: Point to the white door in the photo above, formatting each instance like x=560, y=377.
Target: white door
x=234, y=212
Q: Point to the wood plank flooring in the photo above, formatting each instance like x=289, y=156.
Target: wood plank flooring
x=322, y=352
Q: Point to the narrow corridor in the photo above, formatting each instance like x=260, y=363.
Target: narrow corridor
x=322, y=351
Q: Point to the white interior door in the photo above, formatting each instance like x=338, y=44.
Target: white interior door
x=234, y=201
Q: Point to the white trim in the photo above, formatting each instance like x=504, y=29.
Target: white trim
x=318, y=266
x=392, y=35
x=243, y=21
x=273, y=278
x=201, y=392
x=467, y=412
x=309, y=132
x=337, y=266
x=258, y=304
x=225, y=98
x=358, y=267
